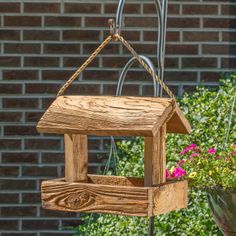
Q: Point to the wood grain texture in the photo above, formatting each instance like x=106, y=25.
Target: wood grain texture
x=170, y=197
x=82, y=197
x=107, y=115
x=76, y=157
x=178, y=123
x=122, y=200
x=155, y=158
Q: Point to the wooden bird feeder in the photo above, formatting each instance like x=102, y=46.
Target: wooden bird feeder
x=79, y=116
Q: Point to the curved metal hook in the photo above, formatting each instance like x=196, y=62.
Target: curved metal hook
x=126, y=69
x=161, y=15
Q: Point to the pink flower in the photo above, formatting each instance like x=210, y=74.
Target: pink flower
x=178, y=172
x=211, y=151
x=181, y=162
x=167, y=174
x=194, y=155
x=192, y=146
x=190, y=158
x=185, y=150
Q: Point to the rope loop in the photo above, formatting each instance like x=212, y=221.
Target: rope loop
x=115, y=36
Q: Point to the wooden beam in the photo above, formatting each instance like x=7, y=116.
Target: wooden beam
x=85, y=197
x=114, y=199
x=170, y=197
x=155, y=158
x=104, y=115
x=76, y=157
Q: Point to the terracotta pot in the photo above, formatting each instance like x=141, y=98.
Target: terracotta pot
x=222, y=203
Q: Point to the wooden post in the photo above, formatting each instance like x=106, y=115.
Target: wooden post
x=76, y=158
x=155, y=159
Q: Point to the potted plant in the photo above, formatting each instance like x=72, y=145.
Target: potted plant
x=213, y=170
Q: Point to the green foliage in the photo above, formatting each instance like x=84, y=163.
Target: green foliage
x=208, y=112
x=210, y=168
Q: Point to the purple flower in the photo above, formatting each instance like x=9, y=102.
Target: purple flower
x=178, y=172
x=211, y=151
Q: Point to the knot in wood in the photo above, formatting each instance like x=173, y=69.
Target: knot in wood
x=80, y=200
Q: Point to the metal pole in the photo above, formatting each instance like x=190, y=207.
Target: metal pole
x=162, y=10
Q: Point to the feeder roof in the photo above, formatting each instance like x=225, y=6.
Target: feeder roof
x=109, y=115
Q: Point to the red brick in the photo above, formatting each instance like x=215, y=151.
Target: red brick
x=10, y=116
x=199, y=62
x=181, y=22
x=31, y=198
x=37, y=171
x=229, y=9
x=10, y=144
x=19, y=234
x=131, y=90
x=200, y=36
x=53, y=158
x=151, y=9
x=62, y=21
x=218, y=49
x=75, y=62
x=33, y=116
x=9, y=198
x=110, y=49
x=219, y=23
x=24, y=103
x=81, y=35
x=10, y=171
x=229, y=36
x=229, y=63
x=41, y=7
x=96, y=21
x=184, y=49
x=40, y=35
x=152, y=36
x=6, y=34
x=6, y=61
x=61, y=48
x=21, y=48
x=210, y=76
x=57, y=74
x=14, y=158
x=20, y=74
x=42, y=88
x=22, y=21
x=200, y=9
x=82, y=89
x=22, y=184
x=19, y=130
x=9, y=7
x=8, y=225
x=115, y=62
x=140, y=22
x=10, y=88
x=40, y=224
x=57, y=214
x=41, y=61
x=130, y=8
x=180, y=76
x=100, y=75
x=18, y=211
x=46, y=144
x=84, y=8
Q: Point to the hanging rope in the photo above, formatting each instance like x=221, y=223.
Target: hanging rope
x=131, y=50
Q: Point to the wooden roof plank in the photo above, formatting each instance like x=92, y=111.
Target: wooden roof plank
x=106, y=115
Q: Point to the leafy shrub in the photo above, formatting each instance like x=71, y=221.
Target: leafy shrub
x=208, y=112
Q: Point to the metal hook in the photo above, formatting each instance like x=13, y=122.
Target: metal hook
x=126, y=69
x=162, y=19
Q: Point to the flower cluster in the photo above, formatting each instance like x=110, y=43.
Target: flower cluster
x=206, y=167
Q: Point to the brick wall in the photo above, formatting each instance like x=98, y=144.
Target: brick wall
x=43, y=43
